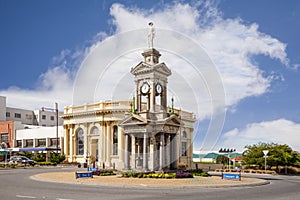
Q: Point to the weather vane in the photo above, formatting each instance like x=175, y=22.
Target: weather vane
x=151, y=35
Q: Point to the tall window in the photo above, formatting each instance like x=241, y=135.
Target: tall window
x=80, y=142
x=115, y=140
x=183, y=134
x=7, y=114
x=43, y=116
x=183, y=149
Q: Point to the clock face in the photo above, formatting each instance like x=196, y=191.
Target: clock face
x=145, y=88
x=158, y=88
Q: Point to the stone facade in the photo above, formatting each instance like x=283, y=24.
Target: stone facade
x=143, y=134
x=91, y=132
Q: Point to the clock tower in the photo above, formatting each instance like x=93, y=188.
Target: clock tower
x=150, y=130
x=151, y=78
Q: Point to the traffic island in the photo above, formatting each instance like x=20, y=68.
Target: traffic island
x=118, y=181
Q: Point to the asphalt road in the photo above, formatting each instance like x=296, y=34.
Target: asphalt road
x=15, y=184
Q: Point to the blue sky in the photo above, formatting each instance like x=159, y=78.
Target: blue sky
x=43, y=43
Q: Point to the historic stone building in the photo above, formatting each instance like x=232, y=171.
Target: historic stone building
x=143, y=134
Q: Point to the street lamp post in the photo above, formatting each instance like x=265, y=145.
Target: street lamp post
x=56, y=112
x=265, y=155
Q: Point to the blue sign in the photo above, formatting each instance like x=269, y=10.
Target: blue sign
x=84, y=175
x=93, y=169
x=231, y=176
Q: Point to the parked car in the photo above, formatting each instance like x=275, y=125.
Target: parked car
x=21, y=160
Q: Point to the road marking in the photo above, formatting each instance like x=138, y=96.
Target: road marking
x=27, y=197
x=63, y=199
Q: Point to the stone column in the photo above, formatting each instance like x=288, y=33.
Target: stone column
x=126, y=163
x=164, y=101
x=99, y=150
x=85, y=136
x=152, y=97
x=103, y=143
x=139, y=151
x=108, y=144
x=162, y=152
x=71, y=144
x=168, y=152
x=66, y=141
x=133, y=157
x=145, y=155
x=120, y=145
x=152, y=154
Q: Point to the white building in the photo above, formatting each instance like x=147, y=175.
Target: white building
x=37, y=138
x=28, y=117
x=29, y=130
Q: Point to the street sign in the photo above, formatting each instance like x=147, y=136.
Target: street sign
x=265, y=152
x=83, y=175
x=93, y=169
x=231, y=176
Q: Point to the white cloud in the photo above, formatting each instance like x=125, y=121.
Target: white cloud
x=230, y=43
x=280, y=131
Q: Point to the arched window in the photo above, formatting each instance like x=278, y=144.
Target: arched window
x=183, y=134
x=115, y=140
x=94, y=131
x=80, y=141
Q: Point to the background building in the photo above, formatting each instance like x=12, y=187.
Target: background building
x=14, y=120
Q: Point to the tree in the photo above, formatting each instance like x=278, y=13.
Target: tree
x=279, y=155
x=221, y=159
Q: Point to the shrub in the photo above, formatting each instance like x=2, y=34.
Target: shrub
x=104, y=172
x=181, y=174
x=46, y=163
x=56, y=157
x=40, y=157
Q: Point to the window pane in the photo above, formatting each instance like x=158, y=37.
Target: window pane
x=183, y=149
x=115, y=140
x=80, y=142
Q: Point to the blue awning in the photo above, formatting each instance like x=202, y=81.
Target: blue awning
x=38, y=149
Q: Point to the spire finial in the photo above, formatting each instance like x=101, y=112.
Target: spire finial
x=151, y=35
x=172, y=108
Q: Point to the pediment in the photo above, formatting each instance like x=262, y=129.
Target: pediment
x=173, y=120
x=133, y=120
x=162, y=68
x=140, y=68
x=144, y=67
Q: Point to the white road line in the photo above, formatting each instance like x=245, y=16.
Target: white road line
x=63, y=199
x=27, y=197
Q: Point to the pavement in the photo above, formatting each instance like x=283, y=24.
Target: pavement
x=117, y=180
